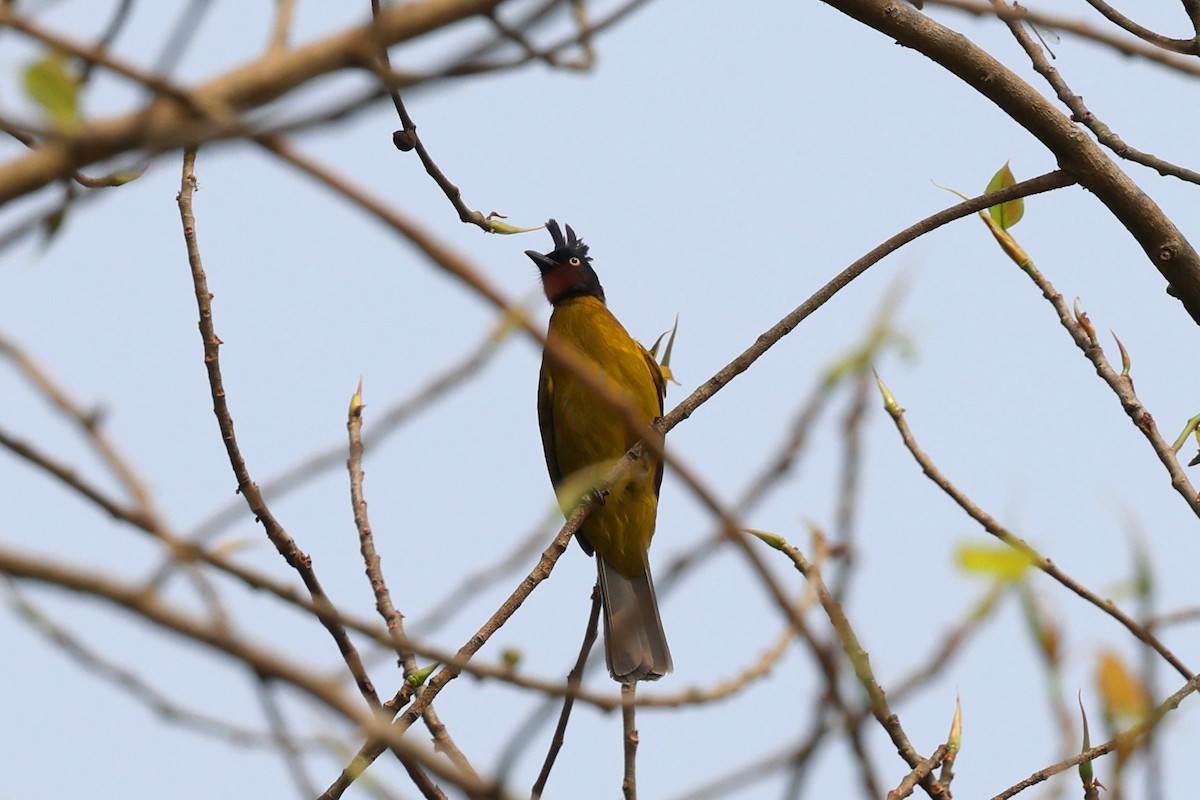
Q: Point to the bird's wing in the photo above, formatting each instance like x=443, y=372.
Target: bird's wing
x=545, y=405
x=660, y=383
x=660, y=388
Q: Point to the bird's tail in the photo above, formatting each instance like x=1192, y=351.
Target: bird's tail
x=635, y=646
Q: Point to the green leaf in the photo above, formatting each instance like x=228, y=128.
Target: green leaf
x=122, y=178
x=1192, y=426
x=1006, y=214
x=666, y=359
x=510, y=657
x=772, y=539
x=955, y=192
x=421, y=675
x=51, y=84
x=52, y=223
x=889, y=400
x=497, y=226
x=664, y=365
x=1085, y=767
x=954, y=740
x=998, y=561
x=1045, y=629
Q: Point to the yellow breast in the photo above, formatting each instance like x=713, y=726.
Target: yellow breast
x=583, y=433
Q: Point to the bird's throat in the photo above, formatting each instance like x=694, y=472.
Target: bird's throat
x=563, y=284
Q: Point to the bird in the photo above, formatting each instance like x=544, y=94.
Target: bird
x=583, y=436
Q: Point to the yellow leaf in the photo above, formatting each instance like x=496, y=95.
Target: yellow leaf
x=998, y=561
x=1007, y=243
x=1123, y=695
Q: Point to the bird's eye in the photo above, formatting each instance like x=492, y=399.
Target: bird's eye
x=574, y=261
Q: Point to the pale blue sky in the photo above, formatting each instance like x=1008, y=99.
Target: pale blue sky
x=722, y=165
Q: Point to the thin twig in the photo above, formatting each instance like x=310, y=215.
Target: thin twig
x=471, y=62
x=574, y=680
x=475, y=583
x=584, y=28
x=951, y=644
x=287, y=746
x=1192, y=7
x=1080, y=113
x=992, y=526
x=96, y=665
x=187, y=553
x=861, y=663
x=1118, y=43
x=68, y=476
x=461, y=66
x=1121, y=385
x=284, y=10
x=694, y=696
x=388, y=422
x=111, y=31
x=848, y=482
x=100, y=56
x=1185, y=46
x=547, y=57
x=273, y=665
x=110, y=180
x=174, y=124
x=1163, y=244
x=181, y=35
x=383, y=603
x=88, y=421
x=629, y=736
x=407, y=139
x=449, y=671
x=797, y=756
x=284, y=543
x=1043, y=183
x=1123, y=739
x=1177, y=617
x=918, y=774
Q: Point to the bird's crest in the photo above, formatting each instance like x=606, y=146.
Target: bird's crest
x=571, y=245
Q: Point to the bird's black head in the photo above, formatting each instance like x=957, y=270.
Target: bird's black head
x=567, y=269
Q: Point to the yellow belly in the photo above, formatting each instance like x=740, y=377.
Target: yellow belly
x=588, y=436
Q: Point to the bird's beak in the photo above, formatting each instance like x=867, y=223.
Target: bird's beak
x=543, y=264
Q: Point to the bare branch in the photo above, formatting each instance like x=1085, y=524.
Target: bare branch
x=1121, y=44
x=1186, y=46
x=1080, y=112
x=168, y=122
x=284, y=543
x=1164, y=244
x=992, y=526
